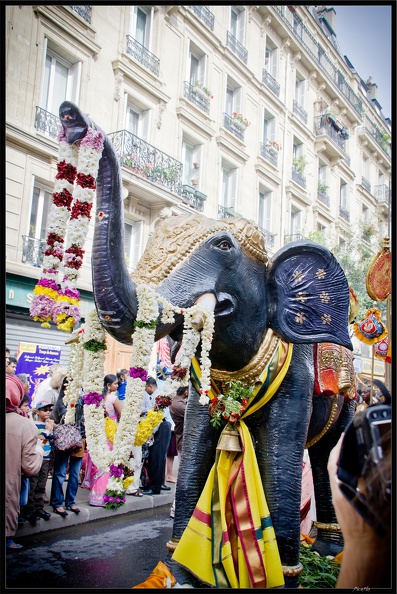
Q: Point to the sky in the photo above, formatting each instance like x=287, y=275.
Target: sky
x=363, y=33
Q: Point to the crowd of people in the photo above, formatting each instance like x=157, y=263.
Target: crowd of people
x=45, y=410
x=31, y=460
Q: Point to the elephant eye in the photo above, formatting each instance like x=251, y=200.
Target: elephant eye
x=224, y=245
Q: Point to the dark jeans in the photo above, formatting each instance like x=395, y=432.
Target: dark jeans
x=38, y=484
x=59, y=473
x=157, y=455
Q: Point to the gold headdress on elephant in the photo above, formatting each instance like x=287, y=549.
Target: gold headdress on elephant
x=177, y=237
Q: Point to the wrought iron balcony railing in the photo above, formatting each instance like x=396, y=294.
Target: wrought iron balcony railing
x=293, y=237
x=345, y=214
x=323, y=126
x=324, y=198
x=270, y=82
x=225, y=212
x=33, y=251
x=85, y=11
x=142, y=55
x=197, y=98
x=236, y=47
x=302, y=113
x=298, y=177
x=234, y=126
x=204, y=14
x=318, y=54
x=381, y=193
x=380, y=138
x=365, y=184
x=193, y=197
x=269, y=154
x=47, y=122
x=269, y=237
x=147, y=161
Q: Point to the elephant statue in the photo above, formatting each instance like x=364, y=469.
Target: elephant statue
x=300, y=297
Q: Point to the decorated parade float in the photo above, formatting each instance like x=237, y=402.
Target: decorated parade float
x=265, y=351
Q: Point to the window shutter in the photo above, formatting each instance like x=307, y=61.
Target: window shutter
x=43, y=98
x=301, y=93
x=240, y=26
x=272, y=128
x=136, y=242
x=232, y=188
x=144, y=120
x=237, y=100
x=268, y=210
x=149, y=29
x=124, y=114
x=132, y=20
x=74, y=82
x=273, y=63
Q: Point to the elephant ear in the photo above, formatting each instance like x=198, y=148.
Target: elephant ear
x=309, y=295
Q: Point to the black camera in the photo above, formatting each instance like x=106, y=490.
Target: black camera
x=365, y=449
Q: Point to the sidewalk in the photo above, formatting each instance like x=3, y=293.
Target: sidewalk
x=89, y=513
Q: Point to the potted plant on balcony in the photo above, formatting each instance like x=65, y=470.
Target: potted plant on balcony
x=273, y=146
x=240, y=120
x=369, y=231
x=202, y=90
x=385, y=141
x=322, y=187
x=299, y=164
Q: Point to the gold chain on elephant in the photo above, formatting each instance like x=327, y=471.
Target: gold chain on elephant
x=327, y=527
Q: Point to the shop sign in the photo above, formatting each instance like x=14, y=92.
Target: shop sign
x=35, y=360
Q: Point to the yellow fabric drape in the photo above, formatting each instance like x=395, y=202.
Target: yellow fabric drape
x=229, y=541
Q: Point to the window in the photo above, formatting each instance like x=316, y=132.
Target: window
x=136, y=119
x=300, y=90
x=297, y=150
x=132, y=243
x=265, y=210
x=229, y=187
x=343, y=195
x=365, y=214
x=197, y=60
x=365, y=167
x=296, y=221
x=140, y=25
x=237, y=23
x=342, y=246
x=322, y=177
x=233, y=97
x=61, y=80
x=40, y=207
x=321, y=229
x=271, y=58
x=269, y=127
x=190, y=156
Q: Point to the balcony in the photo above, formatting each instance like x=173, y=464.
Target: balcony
x=377, y=138
x=33, y=251
x=328, y=139
x=365, y=184
x=293, y=237
x=147, y=161
x=204, y=14
x=270, y=82
x=142, y=55
x=269, y=154
x=382, y=194
x=269, y=237
x=324, y=198
x=47, y=123
x=85, y=11
x=193, y=197
x=300, y=112
x=317, y=53
x=345, y=214
x=298, y=177
x=225, y=212
x=236, y=47
x=197, y=96
x=234, y=126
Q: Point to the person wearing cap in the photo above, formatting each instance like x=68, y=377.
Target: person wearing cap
x=34, y=509
x=24, y=453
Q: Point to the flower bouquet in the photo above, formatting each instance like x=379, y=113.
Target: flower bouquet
x=162, y=402
x=230, y=407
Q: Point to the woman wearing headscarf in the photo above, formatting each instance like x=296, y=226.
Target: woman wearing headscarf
x=24, y=453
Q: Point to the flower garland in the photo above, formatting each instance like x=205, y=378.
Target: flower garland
x=46, y=290
x=73, y=390
x=147, y=426
x=66, y=312
x=61, y=304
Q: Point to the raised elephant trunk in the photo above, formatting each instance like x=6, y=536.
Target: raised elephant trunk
x=114, y=291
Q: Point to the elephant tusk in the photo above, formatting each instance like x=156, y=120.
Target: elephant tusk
x=207, y=300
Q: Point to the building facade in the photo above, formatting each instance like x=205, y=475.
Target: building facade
x=223, y=110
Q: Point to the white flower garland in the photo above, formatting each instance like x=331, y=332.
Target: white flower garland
x=73, y=391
